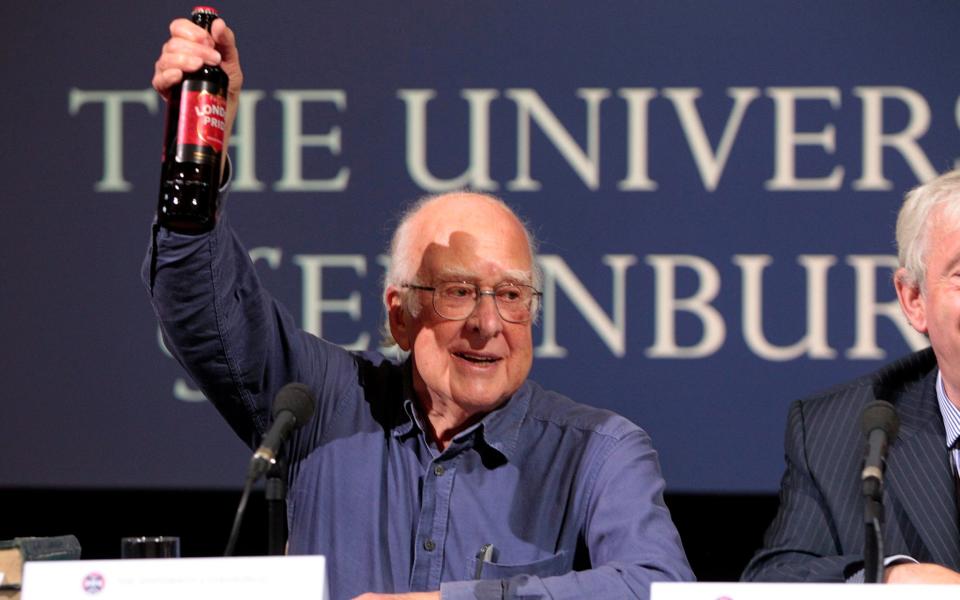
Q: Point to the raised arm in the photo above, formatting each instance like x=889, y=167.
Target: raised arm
x=238, y=344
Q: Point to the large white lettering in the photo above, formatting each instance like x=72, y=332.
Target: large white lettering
x=243, y=142
x=638, y=140
x=531, y=107
x=709, y=164
x=477, y=174
x=667, y=305
x=814, y=343
x=315, y=304
x=113, y=101
x=787, y=138
x=557, y=274
x=294, y=140
x=905, y=141
x=711, y=160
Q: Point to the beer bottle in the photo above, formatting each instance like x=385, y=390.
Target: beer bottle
x=192, y=145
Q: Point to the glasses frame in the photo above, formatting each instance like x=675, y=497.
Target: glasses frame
x=534, y=298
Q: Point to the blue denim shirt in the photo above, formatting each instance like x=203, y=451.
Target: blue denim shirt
x=542, y=498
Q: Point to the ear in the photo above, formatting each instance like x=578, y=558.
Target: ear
x=397, y=315
x=912, y=301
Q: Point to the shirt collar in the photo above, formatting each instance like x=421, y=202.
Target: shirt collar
x=949, y=412
x=406, y=420
x=499, y=430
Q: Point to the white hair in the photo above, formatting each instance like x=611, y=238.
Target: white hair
x=916, y=218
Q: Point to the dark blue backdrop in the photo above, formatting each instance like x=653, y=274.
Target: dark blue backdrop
x=664, y=153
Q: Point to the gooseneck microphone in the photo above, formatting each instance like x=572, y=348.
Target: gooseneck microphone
x=292, y=408
x=880, y=424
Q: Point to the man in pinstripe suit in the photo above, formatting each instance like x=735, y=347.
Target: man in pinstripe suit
x=818, y=533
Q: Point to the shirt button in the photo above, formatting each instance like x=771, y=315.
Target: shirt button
x=429, y=545
x=438, y=470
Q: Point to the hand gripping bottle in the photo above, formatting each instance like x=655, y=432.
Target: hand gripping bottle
x=192, y=145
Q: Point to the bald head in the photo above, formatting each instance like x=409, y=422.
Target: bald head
x=454, y=233
x=456, y=221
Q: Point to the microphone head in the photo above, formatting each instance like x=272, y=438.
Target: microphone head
x=880, y=414
x=297, y=399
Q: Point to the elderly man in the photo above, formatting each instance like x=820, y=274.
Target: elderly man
x=818, y=534
x=450, y=474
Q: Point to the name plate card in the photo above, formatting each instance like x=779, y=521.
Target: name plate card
x=236, y=578
x=661, y=590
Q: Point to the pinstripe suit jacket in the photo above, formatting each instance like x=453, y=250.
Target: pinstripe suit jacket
x=818, y=532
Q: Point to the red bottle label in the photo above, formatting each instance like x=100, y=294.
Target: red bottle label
x=203, y=116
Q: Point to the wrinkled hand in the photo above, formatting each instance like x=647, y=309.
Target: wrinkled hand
x=920, y=573
x=189, y=48
x=410, y=596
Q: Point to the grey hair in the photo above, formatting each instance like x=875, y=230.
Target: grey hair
x=915, y=220
x=403, y=265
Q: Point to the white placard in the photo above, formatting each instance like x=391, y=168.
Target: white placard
x=236, y=578
x=662, y=590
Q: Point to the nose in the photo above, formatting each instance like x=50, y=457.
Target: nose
x=485, y=318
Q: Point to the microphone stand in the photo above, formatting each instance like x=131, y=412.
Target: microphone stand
x=276, y=495
x=292, y=407
x=880, y=424
x=873, y=540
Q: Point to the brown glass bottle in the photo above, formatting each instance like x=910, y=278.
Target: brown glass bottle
x=192, y=145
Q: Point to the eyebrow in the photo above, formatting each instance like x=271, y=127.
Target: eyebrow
x=455, y=273
x=458, y=274
x=518, y=276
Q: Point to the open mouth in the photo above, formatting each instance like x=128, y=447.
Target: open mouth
x=479, y=359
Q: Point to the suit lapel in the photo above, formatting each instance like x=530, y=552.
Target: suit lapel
x=919, y=475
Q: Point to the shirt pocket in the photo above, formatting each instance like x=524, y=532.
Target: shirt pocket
x=545, y=567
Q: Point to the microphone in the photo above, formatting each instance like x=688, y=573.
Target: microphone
x=880, y=424
x=292, y=407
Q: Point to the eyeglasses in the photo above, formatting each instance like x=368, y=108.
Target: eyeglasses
x=456, y=300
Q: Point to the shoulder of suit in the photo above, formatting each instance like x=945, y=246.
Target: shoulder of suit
x=886, y=383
